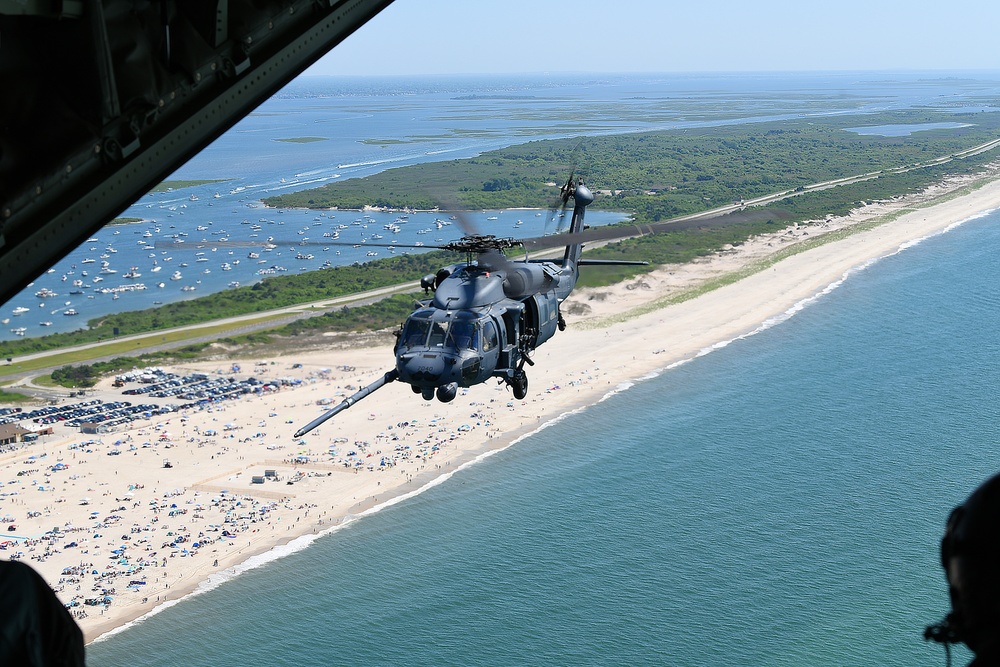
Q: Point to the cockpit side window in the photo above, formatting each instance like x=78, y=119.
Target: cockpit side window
x=415, y=332
x=490, y=340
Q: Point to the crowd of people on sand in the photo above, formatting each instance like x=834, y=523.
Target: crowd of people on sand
x=120, y=521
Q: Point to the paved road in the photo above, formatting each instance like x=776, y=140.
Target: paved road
x=146, y=342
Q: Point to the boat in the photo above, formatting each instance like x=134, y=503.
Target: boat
x=132, y=273
x=45, y=293
x=176, y=275
x=19, y=331
x=188, y=288
x=45, y=324
x=71, y=311
x=20, y=309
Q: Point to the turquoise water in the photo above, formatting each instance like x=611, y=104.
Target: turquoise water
x=776, y=502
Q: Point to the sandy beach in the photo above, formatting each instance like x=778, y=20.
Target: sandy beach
x=135, y=534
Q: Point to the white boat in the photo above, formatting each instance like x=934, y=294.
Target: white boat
x=176, y=275
x=71, y=311
x=19, y=331
x=46, y=324
x=20, y=309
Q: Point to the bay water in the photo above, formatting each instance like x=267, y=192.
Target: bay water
x=778, y=501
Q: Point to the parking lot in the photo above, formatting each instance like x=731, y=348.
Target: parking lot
x=181, y=392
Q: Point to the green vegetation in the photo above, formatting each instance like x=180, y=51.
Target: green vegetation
x=683, y=245
x=302, y=140
x=85, y=375
x=658, y=175
x=389, y=312
x=383, y=314
x=384, y=142
x=13, y=398
x=167, y=186
x=124, y=221
x=274, y=292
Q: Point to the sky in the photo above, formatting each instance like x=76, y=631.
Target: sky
x=515, y=36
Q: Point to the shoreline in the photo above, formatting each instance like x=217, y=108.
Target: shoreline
x=633, y=340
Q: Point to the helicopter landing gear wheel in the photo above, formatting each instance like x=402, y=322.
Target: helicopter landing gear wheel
x=562, y=323
x=519, y=383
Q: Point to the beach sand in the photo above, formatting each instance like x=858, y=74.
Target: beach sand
x=125, y=518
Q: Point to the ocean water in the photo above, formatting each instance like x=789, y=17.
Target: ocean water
x=778, y=501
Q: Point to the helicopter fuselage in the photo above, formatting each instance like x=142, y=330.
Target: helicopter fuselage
x=480, y=323
x=486, y=317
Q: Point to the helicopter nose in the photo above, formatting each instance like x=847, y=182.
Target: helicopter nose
x=425, y=370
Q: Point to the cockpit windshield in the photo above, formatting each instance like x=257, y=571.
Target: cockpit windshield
x=462, y=332
x=418, y=325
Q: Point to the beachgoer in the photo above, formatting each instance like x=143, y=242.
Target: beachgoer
x=970, y=556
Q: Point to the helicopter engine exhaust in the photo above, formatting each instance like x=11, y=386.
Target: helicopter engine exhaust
x=525, y=279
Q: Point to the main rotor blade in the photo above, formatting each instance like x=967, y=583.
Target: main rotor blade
x=588, y=235
x=290, y=244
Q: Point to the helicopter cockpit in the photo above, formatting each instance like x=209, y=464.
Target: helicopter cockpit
x=446, y=349
x=460, y=330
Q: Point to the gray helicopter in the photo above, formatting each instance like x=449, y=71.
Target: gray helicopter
x=487, y=315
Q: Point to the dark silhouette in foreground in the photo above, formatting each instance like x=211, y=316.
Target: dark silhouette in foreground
x=36, y=630
x=970, y=556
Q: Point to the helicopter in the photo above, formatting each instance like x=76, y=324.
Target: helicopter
x=487, y=315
